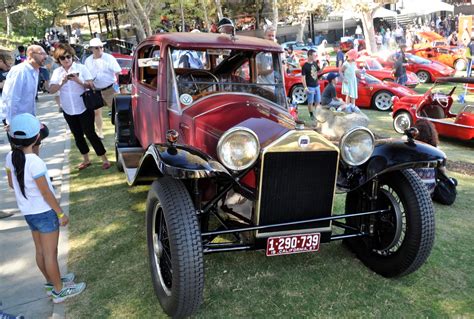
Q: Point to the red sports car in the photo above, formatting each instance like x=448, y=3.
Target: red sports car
x=435, y=106
x=426, y=70
x=372, y=92
x=374, y=68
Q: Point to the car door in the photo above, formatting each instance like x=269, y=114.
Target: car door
x=145, y=97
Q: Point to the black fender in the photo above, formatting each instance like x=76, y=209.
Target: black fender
x=390, y=155
x=122, y=105
x=178, y=161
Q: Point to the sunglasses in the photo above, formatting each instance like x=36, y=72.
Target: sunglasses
x=64, y=57
x=97, y=47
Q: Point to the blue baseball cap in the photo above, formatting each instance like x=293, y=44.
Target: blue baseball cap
x=332, y=76
x=24, y=126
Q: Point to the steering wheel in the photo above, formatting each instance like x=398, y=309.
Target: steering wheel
x=189, y=75
x=441, y=99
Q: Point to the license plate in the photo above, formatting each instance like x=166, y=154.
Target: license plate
x=293, y=244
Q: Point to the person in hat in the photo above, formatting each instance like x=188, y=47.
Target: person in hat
x=348, y=73
x=329, y=97
x=104, y=69
x=225, y=26
x=28, y=177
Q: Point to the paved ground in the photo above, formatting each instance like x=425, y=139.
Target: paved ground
x=21, y=283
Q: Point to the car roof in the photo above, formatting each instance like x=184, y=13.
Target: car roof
x=214, y=41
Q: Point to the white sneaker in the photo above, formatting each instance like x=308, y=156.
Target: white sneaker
x=68, y=292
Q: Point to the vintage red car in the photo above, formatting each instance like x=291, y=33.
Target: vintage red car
x=373, y=93
x=373, y=67
x=436, y=107
x=426, y=70
x=207, y=125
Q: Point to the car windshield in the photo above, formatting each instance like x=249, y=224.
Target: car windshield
x=202, y=73
x=369, y=79
x=373, y=65
x=416, y=59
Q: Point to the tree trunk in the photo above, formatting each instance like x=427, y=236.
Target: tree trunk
x=144, y=17
x=7, y=16
x=141, y=35
x=275, y=13
x=206, y=18
x=299, y=35
x=220, y=15
x=183, y=24
x=368, y=28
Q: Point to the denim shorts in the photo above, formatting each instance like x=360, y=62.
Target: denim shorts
x=46, y=222
x=314, y=94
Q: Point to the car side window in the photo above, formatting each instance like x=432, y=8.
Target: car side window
x=243, y=72
x=148, y=63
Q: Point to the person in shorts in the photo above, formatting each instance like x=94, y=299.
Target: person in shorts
x=309, y=72
x=28, y=177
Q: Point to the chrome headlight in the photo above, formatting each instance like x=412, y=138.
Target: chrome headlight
x=238, y=148
x=357, y=146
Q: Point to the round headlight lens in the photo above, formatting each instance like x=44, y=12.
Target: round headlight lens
x=357, y=146
x=238, y=148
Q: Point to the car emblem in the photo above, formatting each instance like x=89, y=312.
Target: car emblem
x=303, y=141
x=186, y=99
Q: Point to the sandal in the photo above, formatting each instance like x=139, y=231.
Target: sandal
x=106, y=165
x=84, y=166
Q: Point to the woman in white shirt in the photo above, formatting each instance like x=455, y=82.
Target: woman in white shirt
x=71, y=80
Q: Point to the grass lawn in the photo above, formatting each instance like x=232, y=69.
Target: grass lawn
x=108, y=251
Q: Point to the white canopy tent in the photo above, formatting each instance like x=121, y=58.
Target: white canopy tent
x=421, y=7
x=381, y=12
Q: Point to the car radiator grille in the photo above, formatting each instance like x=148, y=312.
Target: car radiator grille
x=297, y=186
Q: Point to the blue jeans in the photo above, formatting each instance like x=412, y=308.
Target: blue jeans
x=469, y=67
x=314, y=94
x=46, y=222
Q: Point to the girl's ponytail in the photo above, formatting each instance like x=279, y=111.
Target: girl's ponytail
x=18, y=161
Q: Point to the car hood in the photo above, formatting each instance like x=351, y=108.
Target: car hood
x=412, y=99
x=440, y=67
x=403, y=90
x=214, y=115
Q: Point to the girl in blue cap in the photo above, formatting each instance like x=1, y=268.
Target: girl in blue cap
x=28, y=176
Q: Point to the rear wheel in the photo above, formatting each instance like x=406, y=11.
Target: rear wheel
x=424, y=76
x=460, y=64
x=402, y=121
x=174, y=248
x=382, y=101
x=298, y=94
x=402, y=238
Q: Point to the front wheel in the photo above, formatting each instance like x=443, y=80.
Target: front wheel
x=401, y=239
x=424, y=76
x=402, y=121
x=174, y=248
x=298, y=94
x=460, y=64
x=382, y=101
